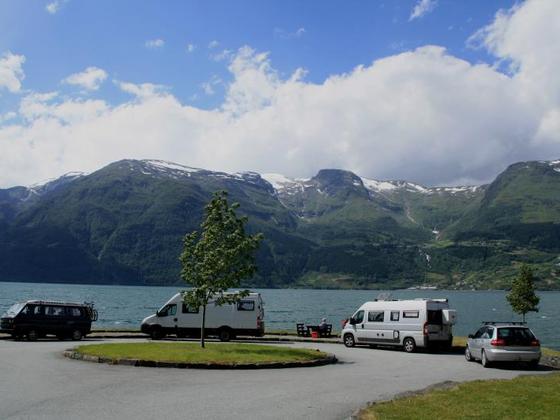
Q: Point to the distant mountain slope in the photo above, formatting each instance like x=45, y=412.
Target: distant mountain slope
x=522, y=206
x=125, y=222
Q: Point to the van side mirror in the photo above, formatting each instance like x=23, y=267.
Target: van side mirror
x=470, y=336
x=157, y=313
x=352, y=321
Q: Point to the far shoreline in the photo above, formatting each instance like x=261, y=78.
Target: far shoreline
x=178, y=286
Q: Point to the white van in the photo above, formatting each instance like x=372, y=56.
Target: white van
x=407, y=323
x=246, y=317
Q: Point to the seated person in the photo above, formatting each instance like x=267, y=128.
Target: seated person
x=323, y=326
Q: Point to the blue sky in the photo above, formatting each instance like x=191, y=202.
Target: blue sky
x=333, y=37
x=436, y=91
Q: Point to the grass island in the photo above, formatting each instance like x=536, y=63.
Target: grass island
x=191, y=354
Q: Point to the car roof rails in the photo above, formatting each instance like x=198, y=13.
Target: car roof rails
x=503, y=323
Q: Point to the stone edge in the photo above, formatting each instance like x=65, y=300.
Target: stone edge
x=73, y=354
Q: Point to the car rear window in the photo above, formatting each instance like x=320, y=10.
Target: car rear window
x=516, y=335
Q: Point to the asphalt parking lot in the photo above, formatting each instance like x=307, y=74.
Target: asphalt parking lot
x=37, y=382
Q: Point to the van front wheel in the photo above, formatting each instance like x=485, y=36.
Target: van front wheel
x=32, y=335
x=156, y=333
x=76, y=335
x=409, y=345
x=349, y=340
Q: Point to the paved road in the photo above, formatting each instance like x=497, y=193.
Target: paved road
x=36, y=382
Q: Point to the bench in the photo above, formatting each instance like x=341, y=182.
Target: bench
x=302, y=330
x=327, y=332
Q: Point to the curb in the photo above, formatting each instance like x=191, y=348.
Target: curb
x=72, y=354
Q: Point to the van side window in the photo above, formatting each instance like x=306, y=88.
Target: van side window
x=75, y=311
x=395, y=315
x=246, y=305
x=189, y=309
x=411, y=314
x=38, y=310
x=359, y=317
x=54, y=310
x=375, y=316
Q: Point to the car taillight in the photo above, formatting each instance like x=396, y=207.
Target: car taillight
x=498, y=342
x=535, y=343
x=425, y=328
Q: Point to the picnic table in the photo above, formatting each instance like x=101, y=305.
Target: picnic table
x=306, y=330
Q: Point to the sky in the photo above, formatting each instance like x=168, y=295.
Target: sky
x=440, y=92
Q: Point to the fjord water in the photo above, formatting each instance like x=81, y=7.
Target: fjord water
x=125, y=306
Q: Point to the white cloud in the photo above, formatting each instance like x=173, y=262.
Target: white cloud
x=154, y=43
x=52, y=7
x=89, y=79
x=11, y=71
x=213, y=44
x=222, y=55
x=423, y=115
x=282, y=33
x=7, y=116
x=190, y=48
x=209, y=86
x=143, y=90
x=422, y=8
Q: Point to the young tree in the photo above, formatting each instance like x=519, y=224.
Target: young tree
x=218, y=257
x=522, y=297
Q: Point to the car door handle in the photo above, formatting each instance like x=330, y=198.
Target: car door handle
x=362, y=325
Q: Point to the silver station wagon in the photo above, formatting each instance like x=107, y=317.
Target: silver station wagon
x=503, y=342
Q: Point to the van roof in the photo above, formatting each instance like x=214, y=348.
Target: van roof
x=59, y=303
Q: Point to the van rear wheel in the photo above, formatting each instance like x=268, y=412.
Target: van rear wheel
x=349, y=340
x=409, y=345
x=224, y=334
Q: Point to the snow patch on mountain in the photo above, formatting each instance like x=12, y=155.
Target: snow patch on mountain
x=458, y=189
x=165, y=166
x=378, y=186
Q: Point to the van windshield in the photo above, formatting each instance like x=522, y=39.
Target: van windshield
x=14, y=310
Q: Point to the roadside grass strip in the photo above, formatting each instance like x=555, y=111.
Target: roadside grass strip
x=525, y=397
x=191, y=353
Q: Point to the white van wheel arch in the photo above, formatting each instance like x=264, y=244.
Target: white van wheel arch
x=409, y=344
x=349, y=340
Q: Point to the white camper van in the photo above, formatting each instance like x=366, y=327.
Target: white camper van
x=245, y=317
x=407, y=323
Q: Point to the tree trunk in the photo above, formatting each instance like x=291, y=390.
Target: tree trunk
x=202, y=326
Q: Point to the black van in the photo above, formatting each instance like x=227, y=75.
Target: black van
x=36, y=318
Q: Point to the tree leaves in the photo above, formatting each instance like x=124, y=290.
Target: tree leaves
x=218, y=257
x=522, y=297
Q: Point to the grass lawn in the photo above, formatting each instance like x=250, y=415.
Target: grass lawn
x=227, y=353
x=526, y=397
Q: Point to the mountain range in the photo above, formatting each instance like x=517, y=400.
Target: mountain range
x=124, y=224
